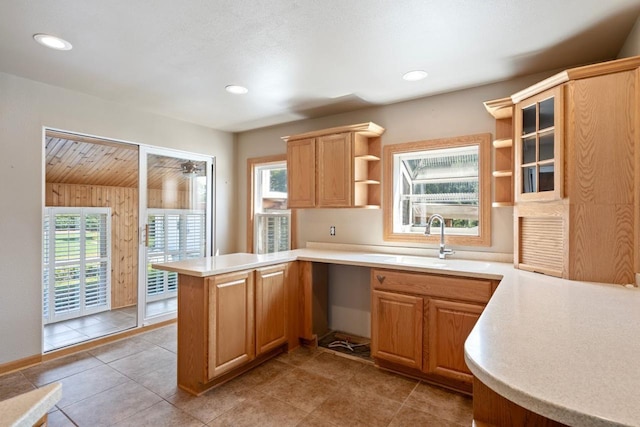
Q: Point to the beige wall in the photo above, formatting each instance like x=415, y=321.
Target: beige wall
x=25, y=107
x=450, y=114
x=631, y=46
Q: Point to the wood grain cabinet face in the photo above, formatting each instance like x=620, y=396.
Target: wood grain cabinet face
x=449, y=325
x=301, y=173
x=334, y=170
x=231, y=322
x=271, y=308
x=397, y=328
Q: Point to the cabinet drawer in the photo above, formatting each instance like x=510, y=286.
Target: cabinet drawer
x=460, y=288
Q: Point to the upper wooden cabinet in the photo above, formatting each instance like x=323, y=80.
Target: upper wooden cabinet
x=576, y=151
x=539, y=139
x=335, y=168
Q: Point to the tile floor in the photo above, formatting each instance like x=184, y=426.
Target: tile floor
x=67, y=332
x=133, y=383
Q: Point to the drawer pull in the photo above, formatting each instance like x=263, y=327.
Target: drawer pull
x=380, y=278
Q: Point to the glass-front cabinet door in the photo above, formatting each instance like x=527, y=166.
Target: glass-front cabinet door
x=539, y=147
x=176, y=222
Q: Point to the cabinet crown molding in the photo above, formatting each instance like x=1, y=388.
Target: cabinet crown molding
x=368, y=129
x=577, y=73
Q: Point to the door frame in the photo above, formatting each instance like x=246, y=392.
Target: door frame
x=144, y=151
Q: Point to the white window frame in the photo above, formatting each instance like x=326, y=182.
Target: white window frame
x=49, y=267
x=261, y=189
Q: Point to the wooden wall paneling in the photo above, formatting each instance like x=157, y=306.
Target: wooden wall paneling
x=124, y=230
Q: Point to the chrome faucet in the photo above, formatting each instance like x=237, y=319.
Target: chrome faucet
x=427, y=232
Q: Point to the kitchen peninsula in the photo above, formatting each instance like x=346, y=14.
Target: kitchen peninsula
x=558, y=348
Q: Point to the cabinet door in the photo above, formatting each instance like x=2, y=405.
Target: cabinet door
x=301, y=173
x=397, y=328
x=539, y=147
x=449, y=326
x=335, y=176
x=271, y=308
x=231, y=322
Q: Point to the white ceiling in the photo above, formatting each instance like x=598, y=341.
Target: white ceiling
x=299, y=58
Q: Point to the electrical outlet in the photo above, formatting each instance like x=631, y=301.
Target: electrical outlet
x=332, y=230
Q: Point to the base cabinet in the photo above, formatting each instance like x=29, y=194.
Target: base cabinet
x=420, y=321
x=231, y=308
x=449, y=325
x=271, y=308
x=396, y=328
x=230, y=323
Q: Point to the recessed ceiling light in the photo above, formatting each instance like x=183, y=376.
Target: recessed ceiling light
x=415, y=75
x=52, y=42
x=236, y=90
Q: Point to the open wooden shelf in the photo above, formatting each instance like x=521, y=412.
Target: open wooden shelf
x=502, y=174
x=502, y=110
x=503, y=143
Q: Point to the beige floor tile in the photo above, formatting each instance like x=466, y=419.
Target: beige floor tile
x=138, y=365
x=14, y=384
x=162, y=414
x=261, y=376
x=88, y=383
x=166, y=338
x=112, y=406
x=57, y=369
x=163, y=382
x=117, y=350
x=58, y=419
x=333, y=367
x=315, y=420
x=302, y=389
x=354, y=406
x=298, y=356
x=412, y=417
x=161, y=335
x=263, y=412
x=384, y=383
x=213, y=403
x=449, y=405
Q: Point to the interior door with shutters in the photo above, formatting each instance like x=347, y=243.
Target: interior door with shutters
x=175, y=220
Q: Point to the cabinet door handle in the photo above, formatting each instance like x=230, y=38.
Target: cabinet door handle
x=380, y=278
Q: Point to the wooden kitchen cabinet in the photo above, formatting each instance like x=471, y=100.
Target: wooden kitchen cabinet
x=420, y=321
x=397, y=328
x=335, y=168
x=449, y=325
x=231, y=321
x=301, y=173
x=576, y=214
x=271, y=308
x=539, y=146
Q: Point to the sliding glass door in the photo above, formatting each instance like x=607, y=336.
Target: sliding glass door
x=176, y=222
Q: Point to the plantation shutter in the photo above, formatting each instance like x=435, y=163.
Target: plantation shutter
x=174, y=235
x=77, y=266
x=272, y=232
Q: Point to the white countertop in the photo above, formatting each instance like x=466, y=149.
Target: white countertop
x=26, y=409
x=563, y=349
